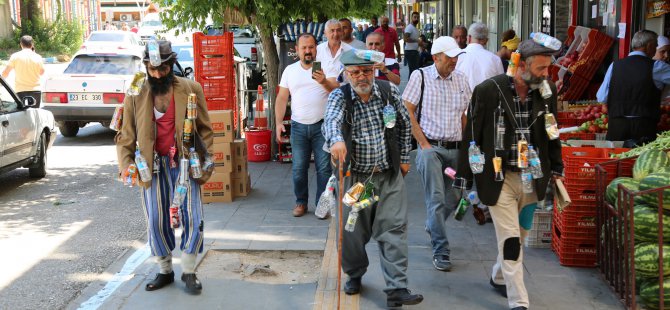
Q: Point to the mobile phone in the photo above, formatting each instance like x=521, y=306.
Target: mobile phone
x=316, y=66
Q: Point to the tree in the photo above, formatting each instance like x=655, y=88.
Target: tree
x=266, y=16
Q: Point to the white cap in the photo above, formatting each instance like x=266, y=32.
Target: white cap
x=662, y=41
x=446, y=45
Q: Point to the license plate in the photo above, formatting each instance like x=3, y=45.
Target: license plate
x=85, y=97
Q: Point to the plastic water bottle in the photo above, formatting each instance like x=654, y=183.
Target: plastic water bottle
x=177, y=200
x=142, y=167
x=208, y=163
x=351, y=221
x=194, y=161
x=500, y=133
x=546, y=40
x=527, y=181
x=534, y=163
x=476, y=158
x=327, y=199
x=369, y=55
x=154, y=54
x=473, y=198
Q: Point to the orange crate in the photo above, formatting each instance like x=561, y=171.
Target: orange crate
x=220, y=104
x=212, y=45
x=207, y=67
x=574, y=252
x=577, y=135
x=569, y=230
x=218, y=88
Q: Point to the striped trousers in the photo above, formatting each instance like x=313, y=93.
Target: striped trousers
x=156, y=201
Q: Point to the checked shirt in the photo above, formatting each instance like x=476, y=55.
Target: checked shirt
x=367, y=129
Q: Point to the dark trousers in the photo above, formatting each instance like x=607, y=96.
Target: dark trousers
x=633, y=131
x=413, y=60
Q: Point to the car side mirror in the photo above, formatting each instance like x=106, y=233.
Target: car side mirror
x=29, y=102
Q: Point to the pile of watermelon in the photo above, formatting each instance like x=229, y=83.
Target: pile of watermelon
x=651, y=170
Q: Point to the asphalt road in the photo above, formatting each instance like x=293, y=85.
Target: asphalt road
x=60, y=233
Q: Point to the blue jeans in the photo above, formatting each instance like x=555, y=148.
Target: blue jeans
x=440, y=197
x=306, y=139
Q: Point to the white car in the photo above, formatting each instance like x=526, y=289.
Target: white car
x=112, y=40
x=90, y=88
x=26, y=133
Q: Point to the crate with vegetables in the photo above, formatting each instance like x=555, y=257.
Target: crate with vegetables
x=634, y=224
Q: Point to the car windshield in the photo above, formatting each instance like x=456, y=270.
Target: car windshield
x=184, y=53
x=104, y=64
x=152, y=23
x=107, y=37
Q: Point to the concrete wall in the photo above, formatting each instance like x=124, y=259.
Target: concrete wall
x=5, y=21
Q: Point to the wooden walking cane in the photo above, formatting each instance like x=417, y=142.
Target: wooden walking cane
x=339, y=228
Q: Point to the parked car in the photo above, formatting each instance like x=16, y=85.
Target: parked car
x=92, y=86
x=113, y=40
x=26, y=133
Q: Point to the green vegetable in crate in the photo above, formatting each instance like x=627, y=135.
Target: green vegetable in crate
x=646, y=224
x=656, y=180
x=650, y=293
x=646, y=259
x=611, y=193
x=648, y=162
x=662, y=142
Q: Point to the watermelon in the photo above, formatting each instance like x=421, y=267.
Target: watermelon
x=662, y=169
x=646, y=259
x=656, y=180
x=648, y=162
x=646, y=224
x=650, y=293
x=612, y=191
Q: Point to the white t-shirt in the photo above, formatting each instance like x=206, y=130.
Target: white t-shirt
x=478, y=64
x=330, y=64
x=308, y=98
x=357, y=44
x=414, y=35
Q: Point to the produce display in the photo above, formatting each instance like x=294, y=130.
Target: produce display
x=646, y=259
x=593, y=118
x=650, y=293
x=650, y=160
x=656, y=180
x=612, y=191
x=646, y=224
x=662, y=142
x=569, y=59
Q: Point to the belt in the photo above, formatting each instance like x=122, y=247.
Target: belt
x=445, y=144
x=374, y=170
x=513, y=168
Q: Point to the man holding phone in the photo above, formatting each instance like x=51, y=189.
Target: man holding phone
x=308, y=87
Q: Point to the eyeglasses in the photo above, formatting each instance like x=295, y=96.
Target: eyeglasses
x=357, y=73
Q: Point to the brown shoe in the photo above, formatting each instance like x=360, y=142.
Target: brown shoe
x=299, y=210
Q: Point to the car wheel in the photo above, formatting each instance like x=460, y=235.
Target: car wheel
x=69, y=129
x=39, y=168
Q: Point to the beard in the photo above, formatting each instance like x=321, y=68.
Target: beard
x=160, y=86
x=363, y=87
x=532, y=81
x=309, y=60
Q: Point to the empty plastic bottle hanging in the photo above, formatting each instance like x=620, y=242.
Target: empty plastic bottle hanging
x=327, y=198
x=546, y=40
x=500, y=133
x=142, y=167
x=476, y=158
x=526, y=181
x=194, y=161
x=369, y=55
x=154, y=53
x=534, y=163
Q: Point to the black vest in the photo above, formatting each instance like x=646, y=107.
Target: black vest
x=632, y=91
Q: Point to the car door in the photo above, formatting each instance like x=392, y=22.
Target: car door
x=18, y=128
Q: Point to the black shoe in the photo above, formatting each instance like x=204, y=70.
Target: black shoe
x=161, y=280
x=502, y=290
x=353, y=286
x=193, y=285
x=402, y=296
x=520, y=308
x=442, y=262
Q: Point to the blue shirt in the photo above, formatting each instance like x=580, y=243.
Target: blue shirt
x=661, y=75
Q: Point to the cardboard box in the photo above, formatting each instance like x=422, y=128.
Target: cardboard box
x=240, y=169
x=222, y=125
x=242, y=186
x=217, y=189
x=223, y=157
x=240, y=150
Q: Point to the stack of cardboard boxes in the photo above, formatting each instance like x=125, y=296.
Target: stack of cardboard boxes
x=231, y=175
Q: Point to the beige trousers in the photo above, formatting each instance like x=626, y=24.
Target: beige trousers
x=508, y=269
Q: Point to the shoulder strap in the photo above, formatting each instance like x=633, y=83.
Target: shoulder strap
x=420, y=104
x=384, y=89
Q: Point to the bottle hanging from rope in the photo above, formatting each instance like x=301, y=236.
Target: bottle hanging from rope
x=500, y=132
x=497, y=169
x=188, y=130
x=192, y=107
x=526, y=181
x=194, y=161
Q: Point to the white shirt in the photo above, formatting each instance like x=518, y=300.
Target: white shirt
x=357, y=44
x=414, y=35
x=308, y=97
x=330, y=64
x=478, y=64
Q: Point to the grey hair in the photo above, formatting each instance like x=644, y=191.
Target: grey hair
x=479, y=31
x=332, y=22
x=642, y=38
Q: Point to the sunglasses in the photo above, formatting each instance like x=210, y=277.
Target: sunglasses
x=357, y=73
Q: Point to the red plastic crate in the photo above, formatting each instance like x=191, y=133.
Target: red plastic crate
x=571, y=230
x=220, y=104
x=212, y=45
x=206, y=67
x=574, y=252
x=577, y=135
x=218, y=88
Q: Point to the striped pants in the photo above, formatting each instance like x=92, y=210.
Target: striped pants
x=156, y=201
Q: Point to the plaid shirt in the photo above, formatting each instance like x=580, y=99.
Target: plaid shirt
x=523, y=118
x=444, y=102
x=367, y=130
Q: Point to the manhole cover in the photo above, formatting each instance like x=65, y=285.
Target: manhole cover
x=269, y=267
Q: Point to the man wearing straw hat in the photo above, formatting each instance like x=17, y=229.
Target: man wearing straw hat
x=368, y=131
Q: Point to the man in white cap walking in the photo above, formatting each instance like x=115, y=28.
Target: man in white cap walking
x=437, y=98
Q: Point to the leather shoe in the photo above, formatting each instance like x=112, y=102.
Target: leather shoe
x=193, y=285
x=402, y=296
x=501, y=289
x=299, y=210
x=520, y=308
x=353, y=286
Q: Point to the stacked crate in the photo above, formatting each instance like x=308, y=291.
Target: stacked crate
x=540, y=235
x=215, y=71
x=575, y=233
